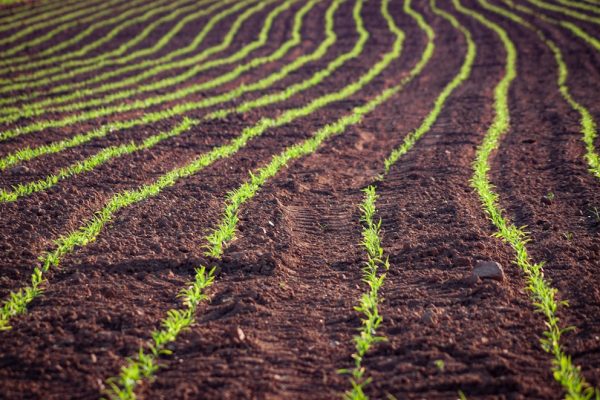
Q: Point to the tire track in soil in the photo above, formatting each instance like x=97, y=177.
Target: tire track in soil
x=542, y=154
x=434, y=231
x=312, y=213
x=68, y=202
x=60, y=307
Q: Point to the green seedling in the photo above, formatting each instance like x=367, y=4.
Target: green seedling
x=568, y=236
x=595, y=214
x=440, y=365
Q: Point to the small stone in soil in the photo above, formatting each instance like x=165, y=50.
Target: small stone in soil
x=488, y=270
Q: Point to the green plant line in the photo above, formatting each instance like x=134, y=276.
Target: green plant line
x=587, y=123
x=51, y=10
x=118, y=16
x=576, y=30
x=145, y=364
x=141, y=368
x=225, y=231
x=114, y=57
x=162, y=64
x=27, y=153
x=109, y=153
x=579, y=5
x=191, y=73
x=90, y=163
x=369, y=301
x=565, y=11
x=543, y=294
x=154, y=86
x=29, y=16
x=106, y=8
x=18, y=300
x=29, y=62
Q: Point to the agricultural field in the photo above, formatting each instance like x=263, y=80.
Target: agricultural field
x=299, y=199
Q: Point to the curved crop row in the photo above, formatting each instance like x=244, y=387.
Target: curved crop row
x=107, y=8
x=18, y=300
x=371, y=232
x=576, y=30
x=114, y=57
x=145, y=364
x=109, y=153
x=369, y=302
x=28, y=62
x=28, y=153
x=54, y=15
x=197, y=66
x=191, y=73
x=587, y=123
x=543, y=294
x=565, y=11
x=162, y=64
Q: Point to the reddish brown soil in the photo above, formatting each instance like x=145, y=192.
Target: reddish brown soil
x=291, y=278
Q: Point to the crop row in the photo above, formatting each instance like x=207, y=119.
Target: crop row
x=144, y=364
x=42, y=58
x=543, y=294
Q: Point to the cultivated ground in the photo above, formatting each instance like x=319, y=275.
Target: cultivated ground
x=265, y=199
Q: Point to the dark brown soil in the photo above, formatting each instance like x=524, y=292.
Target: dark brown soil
x=290, y=279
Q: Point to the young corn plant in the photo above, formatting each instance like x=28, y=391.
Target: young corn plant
x=146, y=363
